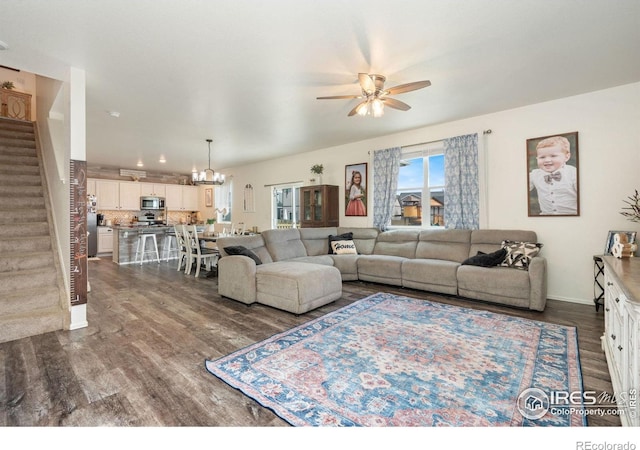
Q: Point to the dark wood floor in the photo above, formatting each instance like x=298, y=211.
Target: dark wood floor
x=141, y=360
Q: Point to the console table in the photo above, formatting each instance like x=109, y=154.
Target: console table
x=621, y=339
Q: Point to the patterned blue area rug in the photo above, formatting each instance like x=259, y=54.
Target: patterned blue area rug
x=388, y=360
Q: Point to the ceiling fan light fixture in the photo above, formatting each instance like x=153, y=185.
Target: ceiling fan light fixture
x=363, y=109
x=377, y=107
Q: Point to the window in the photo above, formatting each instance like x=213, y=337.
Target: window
x=421, y=176
x=286, y=206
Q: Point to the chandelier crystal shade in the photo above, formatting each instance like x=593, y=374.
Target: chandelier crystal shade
x=208, y=175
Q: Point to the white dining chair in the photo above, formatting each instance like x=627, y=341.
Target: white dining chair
x=197, y=254
x=182, y=245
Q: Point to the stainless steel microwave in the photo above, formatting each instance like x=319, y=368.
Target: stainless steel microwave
x=151, y=203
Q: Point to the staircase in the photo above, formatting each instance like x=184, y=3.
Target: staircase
x=31, y=293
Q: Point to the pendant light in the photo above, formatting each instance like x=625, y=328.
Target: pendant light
x=208, y=175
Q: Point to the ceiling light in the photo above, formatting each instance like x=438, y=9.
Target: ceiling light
x=162, y=159
x=140, y=164
x=377, y=107
x=115, y=114
x=208, y=175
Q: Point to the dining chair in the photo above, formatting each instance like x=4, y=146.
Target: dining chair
x=197, y=254
x=182, y=245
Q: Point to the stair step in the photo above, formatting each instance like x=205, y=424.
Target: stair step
x=22, y=216
x=19, y=326
x=30, y=299
x=16, y=133
x=24, y=229
x=15, y=160
x=10, y=170
x=32, y=278
x=24, y=191
x=21, y=180
x=14, y=124
x=18, y=244
x=12, y=262
x=21, y=202
x=12, y=142
x=21, y=151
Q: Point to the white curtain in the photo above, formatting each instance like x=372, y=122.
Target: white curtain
x=462, y=192
x=386, y=165
x=223, y=201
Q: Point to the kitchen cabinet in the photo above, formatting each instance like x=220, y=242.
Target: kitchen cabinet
x=153, y=190
x=105, y=240
x=622, y=333
x=118, y=195
x=91, y=186
x=181, y=198
x=320, y=206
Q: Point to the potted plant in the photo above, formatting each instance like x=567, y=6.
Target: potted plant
x=317, y=169
x=7, y=85
x=632, y=212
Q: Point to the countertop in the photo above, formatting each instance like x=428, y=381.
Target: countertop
x=627, y=271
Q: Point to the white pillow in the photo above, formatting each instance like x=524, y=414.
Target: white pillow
x=344, y=247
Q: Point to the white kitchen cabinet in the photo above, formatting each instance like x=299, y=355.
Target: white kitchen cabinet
x=105, y=240
x=181, y=198
x=118, y=195
x=622, y=331
x=153, y=189
x=91, y=186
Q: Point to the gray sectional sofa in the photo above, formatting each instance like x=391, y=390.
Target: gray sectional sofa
x=297, y=274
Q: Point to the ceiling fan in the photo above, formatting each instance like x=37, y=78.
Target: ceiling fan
x=376, y=96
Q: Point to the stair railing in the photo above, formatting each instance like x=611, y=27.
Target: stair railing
x=15, y=105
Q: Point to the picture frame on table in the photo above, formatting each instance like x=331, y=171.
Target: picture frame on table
x=552, y=175
x=355, y=183
x=631, y=239
x=208, y=197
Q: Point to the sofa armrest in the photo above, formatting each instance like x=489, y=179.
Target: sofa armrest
x=237, y=278
x=538, y=283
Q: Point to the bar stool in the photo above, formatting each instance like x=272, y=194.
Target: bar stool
x=170, y=244
x=141, y=247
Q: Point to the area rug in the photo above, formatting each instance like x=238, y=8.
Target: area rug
x=390, y=360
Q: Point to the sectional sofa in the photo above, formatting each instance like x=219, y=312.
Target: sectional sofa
x=294, y=271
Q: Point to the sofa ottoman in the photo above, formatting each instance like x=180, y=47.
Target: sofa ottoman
x=296, y=287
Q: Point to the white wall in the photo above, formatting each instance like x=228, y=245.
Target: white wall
x=608, y=125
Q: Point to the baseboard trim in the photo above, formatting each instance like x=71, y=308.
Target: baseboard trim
x=78, y=317
x=571, y=299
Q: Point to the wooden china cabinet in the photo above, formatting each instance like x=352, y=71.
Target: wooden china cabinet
x=320, y=206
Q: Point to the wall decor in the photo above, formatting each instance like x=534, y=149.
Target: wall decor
x=552, y=175
x=208, y=197
x=355, y=189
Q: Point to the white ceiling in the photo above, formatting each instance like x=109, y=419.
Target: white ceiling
x=246, y=73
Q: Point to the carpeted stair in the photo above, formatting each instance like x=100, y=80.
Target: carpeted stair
x=31, y=297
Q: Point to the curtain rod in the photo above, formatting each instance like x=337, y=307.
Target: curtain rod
x=286, y=182
x=438, y=140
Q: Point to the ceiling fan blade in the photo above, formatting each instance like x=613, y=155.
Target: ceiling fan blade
x=396, y=104
x=407, y=87
x=338, y=97
x=354, y=111
x=366, y=83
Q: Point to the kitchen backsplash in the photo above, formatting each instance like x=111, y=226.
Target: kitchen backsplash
x=126, y=217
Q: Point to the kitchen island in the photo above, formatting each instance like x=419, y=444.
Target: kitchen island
x=125, y=241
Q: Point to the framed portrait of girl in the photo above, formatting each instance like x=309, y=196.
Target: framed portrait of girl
x=356, y=190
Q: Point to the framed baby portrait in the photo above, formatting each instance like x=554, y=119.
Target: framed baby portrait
x=355, y=182
x=552, y=175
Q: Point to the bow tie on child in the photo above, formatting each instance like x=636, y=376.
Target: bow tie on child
x=555, y=176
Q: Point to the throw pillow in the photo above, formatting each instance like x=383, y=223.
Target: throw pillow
x=519, y=254
x=345, y=247
x=240, y=250
x=486, y=259
x=340, y=237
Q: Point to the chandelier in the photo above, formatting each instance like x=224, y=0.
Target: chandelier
x=208, y=175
